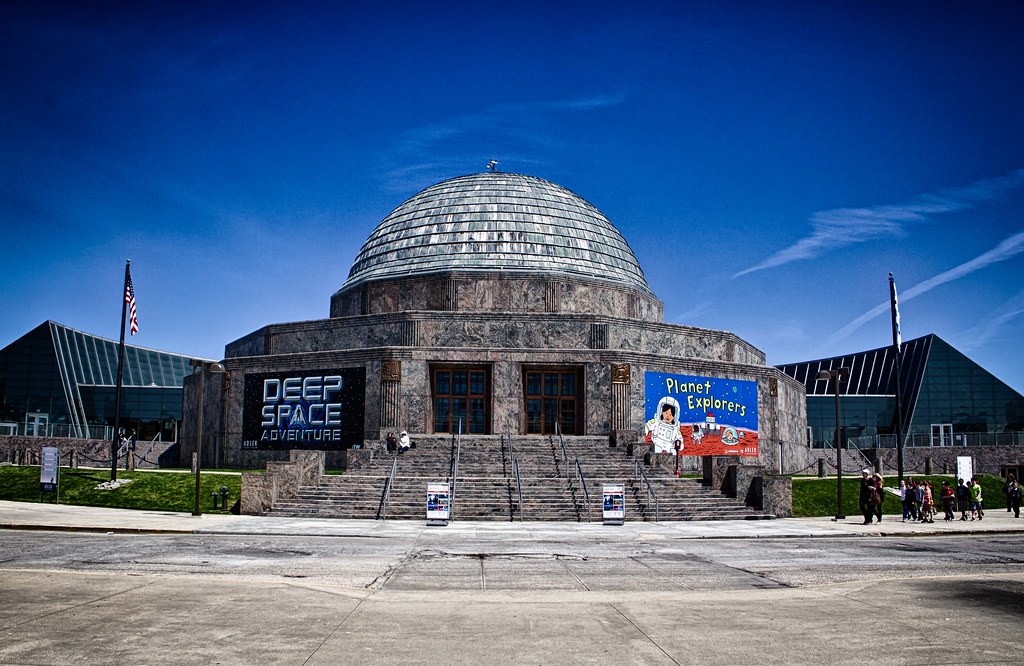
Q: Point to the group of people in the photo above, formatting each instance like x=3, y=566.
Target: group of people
x=399, y=445
x=919, y=499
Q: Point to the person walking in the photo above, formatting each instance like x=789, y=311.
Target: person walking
x=910, y=499
x=867, y=487
x=963, y=498
x=919, y=500
x=976, y=500
x=878, y=496
x=903, y=500
x=947, y=501
x=927, y=503
x=1014, y=495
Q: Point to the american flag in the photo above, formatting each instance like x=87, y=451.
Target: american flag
x=129, y=298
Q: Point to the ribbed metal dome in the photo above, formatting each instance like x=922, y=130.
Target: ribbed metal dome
x=497, y=222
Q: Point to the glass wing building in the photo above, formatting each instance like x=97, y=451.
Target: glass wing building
x=947, y=399
x=59, y=382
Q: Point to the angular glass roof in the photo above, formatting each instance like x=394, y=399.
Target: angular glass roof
x=497, y=222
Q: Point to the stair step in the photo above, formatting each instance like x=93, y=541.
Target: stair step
x=486, y=486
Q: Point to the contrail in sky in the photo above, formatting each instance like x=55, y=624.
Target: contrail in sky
x=1007, y=249
x=833, y=229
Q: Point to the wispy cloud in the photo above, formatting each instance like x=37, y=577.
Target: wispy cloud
x=507, y=132
x=1008, y=248
x=980, y=335
x=833, y=229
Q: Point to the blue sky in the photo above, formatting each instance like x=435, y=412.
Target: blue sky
x=769, y=163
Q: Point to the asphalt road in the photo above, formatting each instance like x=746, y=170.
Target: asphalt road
x=512, y=564
x=68, y=598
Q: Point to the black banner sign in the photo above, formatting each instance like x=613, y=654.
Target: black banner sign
x=304, y=409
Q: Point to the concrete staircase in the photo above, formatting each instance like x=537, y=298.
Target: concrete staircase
x=486, y=485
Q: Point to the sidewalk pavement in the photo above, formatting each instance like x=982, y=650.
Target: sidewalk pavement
x=49, y=516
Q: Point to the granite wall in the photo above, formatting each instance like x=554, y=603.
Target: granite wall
x=281, y=480
x=496, y=292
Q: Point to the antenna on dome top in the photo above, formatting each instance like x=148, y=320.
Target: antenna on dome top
x=492, y=166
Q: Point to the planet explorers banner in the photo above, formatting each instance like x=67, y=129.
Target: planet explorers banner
x=700, y=416
x=311, y=409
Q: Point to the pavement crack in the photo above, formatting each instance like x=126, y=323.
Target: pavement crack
x=573, y=574
x=334, y=631
x=671, y=579
x=73, y=607
x=643, y=633
x=382, y=579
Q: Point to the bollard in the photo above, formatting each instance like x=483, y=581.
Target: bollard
x=928, y=466
x=224, y=497
x=821, y=468
x=216, y=496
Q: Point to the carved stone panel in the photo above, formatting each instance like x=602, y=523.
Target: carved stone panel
x=390, y=370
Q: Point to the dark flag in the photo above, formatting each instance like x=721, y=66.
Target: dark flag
x=897, y=337
x=129, y=298
x=127, y=304
x=897, y=344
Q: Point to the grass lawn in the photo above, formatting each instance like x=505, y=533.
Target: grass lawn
x=149, y=490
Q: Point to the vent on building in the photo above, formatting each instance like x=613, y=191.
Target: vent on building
x=410, y=333
x=599, y=336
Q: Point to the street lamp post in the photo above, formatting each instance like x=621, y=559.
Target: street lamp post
x=837, y=375
x=204, y=367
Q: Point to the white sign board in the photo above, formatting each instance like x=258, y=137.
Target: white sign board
x=614, y=505
x=964, y=468
x=438, y=501
x=48, y=470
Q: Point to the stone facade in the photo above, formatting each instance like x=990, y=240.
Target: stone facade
x=532, y=279
x=523, y=341
x=477, y=292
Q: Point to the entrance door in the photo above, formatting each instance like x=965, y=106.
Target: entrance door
x=942, y=434
x=461, y=395
x=552, y=396
x=36, y=424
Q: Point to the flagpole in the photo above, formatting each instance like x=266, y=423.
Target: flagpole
x=897, y=344
x=115, y=441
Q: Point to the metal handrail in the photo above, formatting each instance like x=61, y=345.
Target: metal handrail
x=455, y=473
x=583, y=485
x=642, y=476
x=519, y=486
x=851, y=446
x=385, y=496
x=565, y=453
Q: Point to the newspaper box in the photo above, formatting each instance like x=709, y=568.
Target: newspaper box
x=614, y=507
x=438, y=503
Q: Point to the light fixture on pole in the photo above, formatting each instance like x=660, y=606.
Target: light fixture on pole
x=204, y=367
x=837, y=375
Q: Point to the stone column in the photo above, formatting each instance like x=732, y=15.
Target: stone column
x=620, y=396
x=390, y=393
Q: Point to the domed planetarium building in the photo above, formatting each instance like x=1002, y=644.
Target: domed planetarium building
x=495, y=303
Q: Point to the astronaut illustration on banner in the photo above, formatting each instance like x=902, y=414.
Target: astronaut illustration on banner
x=663, y=432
